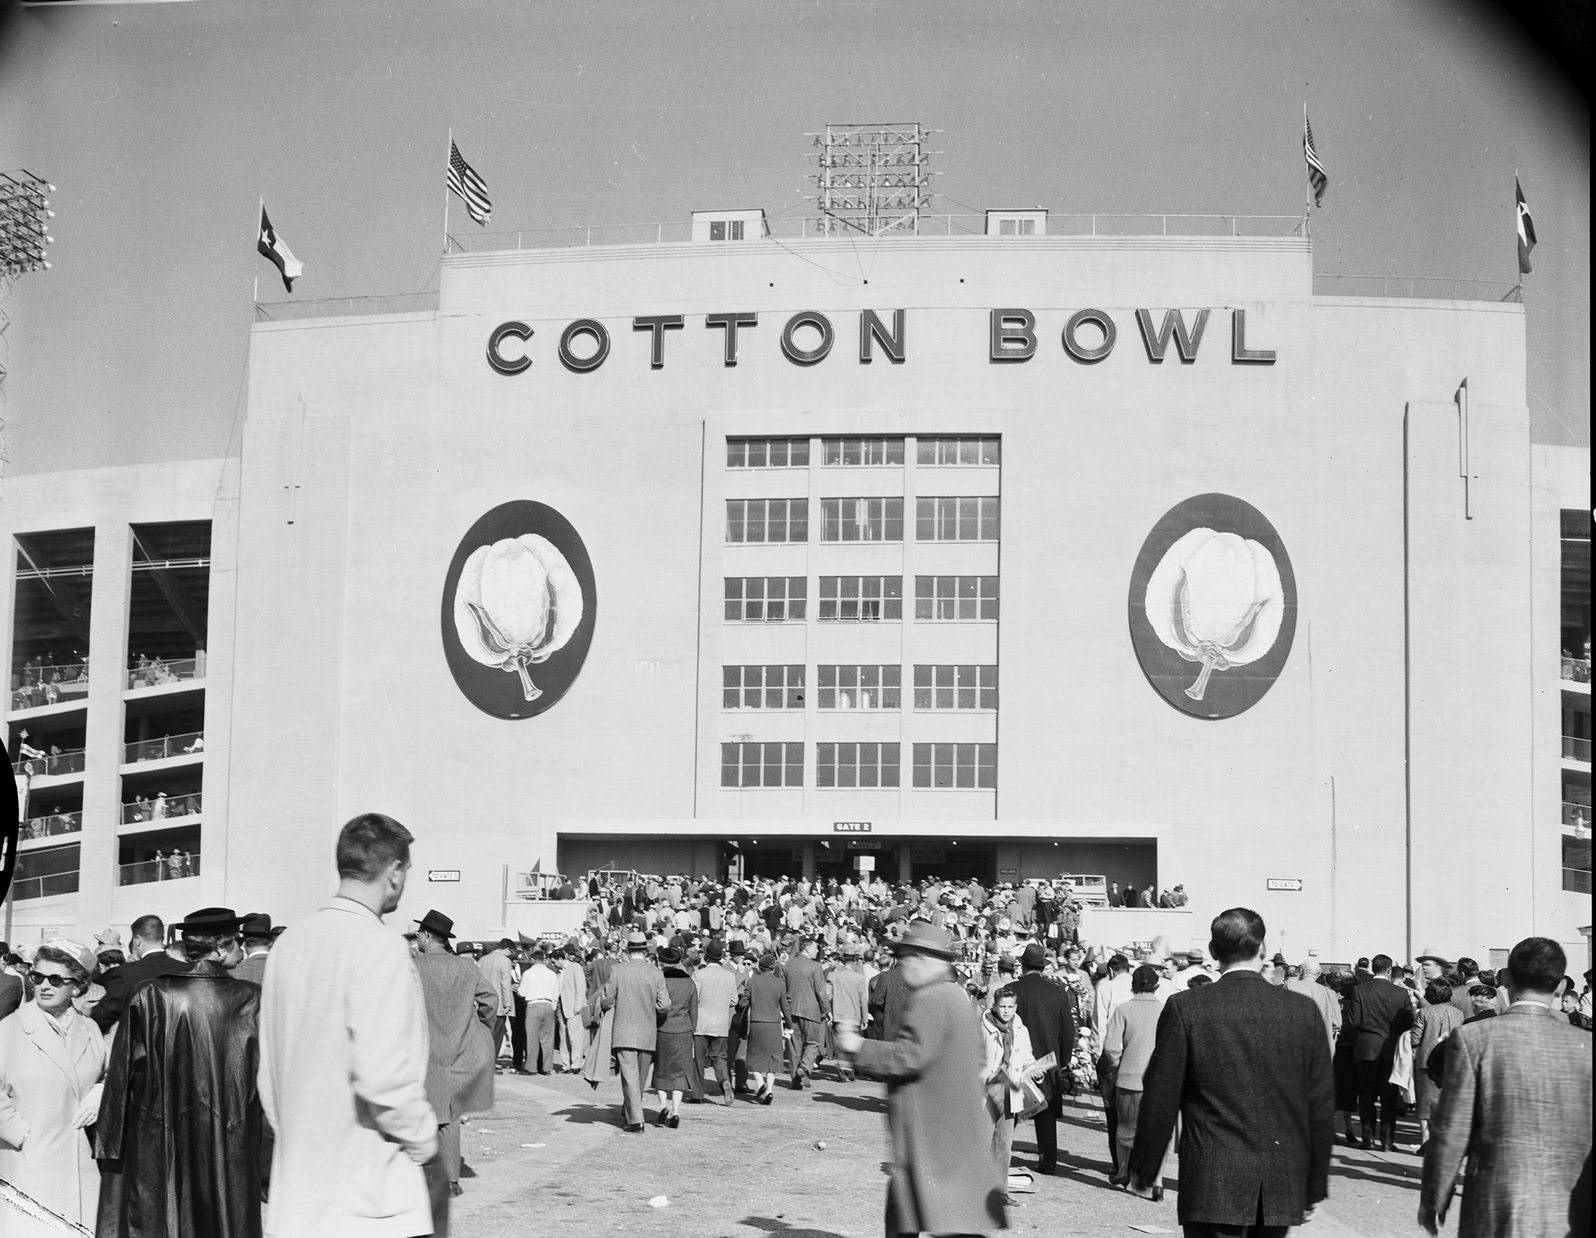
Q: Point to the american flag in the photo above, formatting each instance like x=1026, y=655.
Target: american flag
x=1526, y=230
x=473, y=190
x=1316, y=173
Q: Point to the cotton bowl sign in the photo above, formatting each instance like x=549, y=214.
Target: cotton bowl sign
x=1212, y=606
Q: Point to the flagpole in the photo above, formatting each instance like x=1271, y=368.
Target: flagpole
x=448, y=162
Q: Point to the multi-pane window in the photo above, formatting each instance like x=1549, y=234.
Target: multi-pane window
x=861, y=520
x=861, y=597
x=962, y=519
x=955, y=597
x=767, y=453
x=863, y=450
x=964, y=449
x=762, y=687
x=860, y=687
x=756, y=598
x=955, y=687
x=856, y=765
x=726, y=229
x=764, y=764
x=955, y=765
x=767, y=520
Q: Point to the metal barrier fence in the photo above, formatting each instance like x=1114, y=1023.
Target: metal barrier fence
x=165, y=747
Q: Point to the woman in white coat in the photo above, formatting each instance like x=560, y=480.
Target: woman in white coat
x=52, y=1060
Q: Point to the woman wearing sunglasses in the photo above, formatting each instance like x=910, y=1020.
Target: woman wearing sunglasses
x=51, y=1062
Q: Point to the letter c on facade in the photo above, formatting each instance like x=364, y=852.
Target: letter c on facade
x=508, y=365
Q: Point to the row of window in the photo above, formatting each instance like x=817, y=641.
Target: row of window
x=766, y=599
x=935, y=766
x=778, y=453
x=870, y=687
x=962, y=518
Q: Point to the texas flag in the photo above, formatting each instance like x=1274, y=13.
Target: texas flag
x=276, y=249
x=1526, y=230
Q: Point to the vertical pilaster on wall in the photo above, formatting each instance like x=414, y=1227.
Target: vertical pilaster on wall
x=102, y=782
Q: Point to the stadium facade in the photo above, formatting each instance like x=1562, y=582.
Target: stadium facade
x=1000, y=555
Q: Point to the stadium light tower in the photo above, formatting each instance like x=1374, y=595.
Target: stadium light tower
x=872, y=179
x=25, y=239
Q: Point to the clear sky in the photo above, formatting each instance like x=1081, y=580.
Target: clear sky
x=161, y=124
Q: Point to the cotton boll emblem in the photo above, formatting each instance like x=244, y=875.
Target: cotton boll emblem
x=517, y=603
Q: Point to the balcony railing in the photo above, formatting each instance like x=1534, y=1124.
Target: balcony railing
x=1576, y=880
x=142, y=810
x=50, y=824
x=163, y=748
x=1576, y=815
x=154, y=672
x=1576, y=749
x=51, y=764
x=34, y=686
x=172, y=868
x=1576, y=669
x=46, y=886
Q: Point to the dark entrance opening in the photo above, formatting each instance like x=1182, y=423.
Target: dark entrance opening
x=953, y=861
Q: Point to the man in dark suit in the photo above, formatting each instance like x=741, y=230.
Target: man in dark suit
x=1515, y=1101
x=1045, y=1009
x=12, y=992
x=1246, y=1066
x=151, y=958
x=809, y=1006
x=1377, y=1012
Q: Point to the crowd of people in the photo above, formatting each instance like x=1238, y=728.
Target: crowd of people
x=981, y=1010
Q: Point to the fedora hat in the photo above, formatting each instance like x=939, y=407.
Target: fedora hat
x=923, y=937
x=206, y=920
x=636, y=941
x=1431, y=956
x=256, y=924
x=437, y=923
x=1033, y=957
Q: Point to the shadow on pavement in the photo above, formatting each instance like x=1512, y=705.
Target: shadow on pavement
x=590, y=1115
x=775, y=1225
x=861, y=1104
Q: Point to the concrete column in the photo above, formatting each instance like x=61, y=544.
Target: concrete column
x=809, y=861
x=905, y=864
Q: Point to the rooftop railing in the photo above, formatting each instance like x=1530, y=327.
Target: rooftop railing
x=165, y=747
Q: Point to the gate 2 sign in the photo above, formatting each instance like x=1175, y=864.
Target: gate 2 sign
x=518, y=610
x=1212, y=606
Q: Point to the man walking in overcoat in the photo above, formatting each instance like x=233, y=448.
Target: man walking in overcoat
x=343, y=1069
x=1045, y=1009
x=460, y=1011
x=1246, y=1065
x=636, y=992
x=1515, y=1100
x=809, y=1007
x=944, y=1178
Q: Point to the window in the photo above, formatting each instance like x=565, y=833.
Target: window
x=762, y=687
x=955, y=597
x=861, y=520
x=856, y=765
x=955, y=765
x=956, y=519
x=860, y=687
x=767, y=520
x=726, y=230
x=848, y=451
x=767, y=453
x=955, y=687
x=751, y=599
x=1016, y=227
x=1576, y=864
x=861, y=597
x=985, y=449
x=761, y=765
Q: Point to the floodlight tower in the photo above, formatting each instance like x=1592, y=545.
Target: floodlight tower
x=24, y=240
x=872, y=179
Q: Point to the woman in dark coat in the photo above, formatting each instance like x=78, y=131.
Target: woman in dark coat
x=767, y=1016
x=674, y=1071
